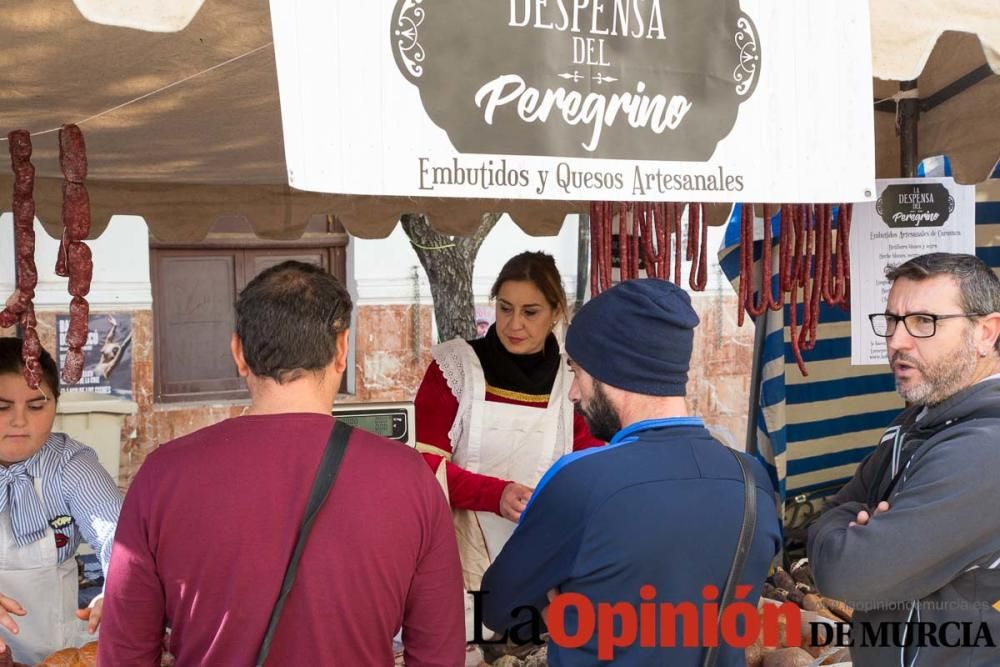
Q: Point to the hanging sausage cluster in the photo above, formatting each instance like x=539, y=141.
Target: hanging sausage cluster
x=74, y=259
x=20, y=308
x=811, y=259
x=654, y=230
x=806, y=252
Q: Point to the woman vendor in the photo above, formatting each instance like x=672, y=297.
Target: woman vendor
x=492, y=414
x=53, y=491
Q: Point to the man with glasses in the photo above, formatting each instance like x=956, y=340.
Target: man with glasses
x=913, y=540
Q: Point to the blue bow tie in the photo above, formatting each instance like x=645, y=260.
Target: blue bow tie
x=17, y=493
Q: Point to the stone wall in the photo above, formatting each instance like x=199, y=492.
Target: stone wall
x=719, y=381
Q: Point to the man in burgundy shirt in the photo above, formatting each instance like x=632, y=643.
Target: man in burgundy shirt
x=211, y=519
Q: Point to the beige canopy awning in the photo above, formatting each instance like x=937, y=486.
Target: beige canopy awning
x=184, y=127
x=951, y=49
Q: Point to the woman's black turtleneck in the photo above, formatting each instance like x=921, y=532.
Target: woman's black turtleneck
x=524, y=373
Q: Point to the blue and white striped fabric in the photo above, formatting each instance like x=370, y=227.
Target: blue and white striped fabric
x=17, y=494
x=74, y=486
x=813, y=431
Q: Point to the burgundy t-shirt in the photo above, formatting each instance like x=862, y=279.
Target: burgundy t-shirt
x=209, y=525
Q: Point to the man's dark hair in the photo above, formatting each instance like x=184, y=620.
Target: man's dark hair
x=11, y=362
x=978, y=286
x=288, y=318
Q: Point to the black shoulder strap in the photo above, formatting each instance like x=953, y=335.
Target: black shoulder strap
x=747, y=530
x=336, y=445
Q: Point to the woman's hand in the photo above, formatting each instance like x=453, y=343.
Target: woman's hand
x=92, y=614
x=9, y=606
x=514, y=500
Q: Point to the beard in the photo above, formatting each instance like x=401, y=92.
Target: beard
x=601, y=418
x=940, y=379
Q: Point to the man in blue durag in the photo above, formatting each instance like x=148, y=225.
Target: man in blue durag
x=658, y=509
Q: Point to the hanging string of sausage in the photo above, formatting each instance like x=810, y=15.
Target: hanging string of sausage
x=650, y=240
x=74, y=260
x=811, y=261
x=20, y=307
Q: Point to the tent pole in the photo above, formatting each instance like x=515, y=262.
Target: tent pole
x=759, y=334
x=908, y=117
x=583, y=260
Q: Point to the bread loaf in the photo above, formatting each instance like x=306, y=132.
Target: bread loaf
x=85, y=656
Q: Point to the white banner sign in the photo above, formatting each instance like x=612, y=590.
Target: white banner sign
x=911, y=217
x=656, y=100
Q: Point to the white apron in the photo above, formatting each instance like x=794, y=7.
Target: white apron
x=512, y=442
x=502, y=440
x=46, y=589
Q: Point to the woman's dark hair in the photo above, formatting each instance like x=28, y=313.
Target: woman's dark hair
x=539, y=268
x=288, y=318
x=12, y=363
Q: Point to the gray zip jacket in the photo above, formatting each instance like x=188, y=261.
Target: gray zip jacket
x=924, y=576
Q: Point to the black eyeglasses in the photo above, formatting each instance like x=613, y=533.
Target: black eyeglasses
x=918, y=325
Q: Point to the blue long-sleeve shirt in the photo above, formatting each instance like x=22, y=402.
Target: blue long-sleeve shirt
x=77, y=494
x=660, y=506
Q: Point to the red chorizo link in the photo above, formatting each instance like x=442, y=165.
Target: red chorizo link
x=758, y=305
x=23, y=209
x=31, y=348
x=76, y=337
x=677, y=211
x=604, y=257
x=787, y=246
x=81, y=268
x=692, y=239
x=647, y=230
x=72, y=154
x=694, y=234
x=840, y=278
x=668, y=233
x=62, y=268
x=699, y=266
x=595, y=246
x=822, y=252
x=773, y=302
x=844, y=253
x=12, y=310
x=79, y=321
x=76, y=211
x=662, y=240
x=746, y=261
x=72, y=366
x=31, y=345
x=634, y=239
x=623, y=246
x=830, y=282
x=809, y=294
x=793, y=308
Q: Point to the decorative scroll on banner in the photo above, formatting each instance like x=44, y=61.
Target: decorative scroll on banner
x=629, y=100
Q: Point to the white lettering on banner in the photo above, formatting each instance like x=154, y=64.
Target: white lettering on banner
x=915, y=217
x=656, y=112
x=626, y=17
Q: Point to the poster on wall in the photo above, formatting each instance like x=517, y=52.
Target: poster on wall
x=632, y=100
x=107, y=354
x=910, y=217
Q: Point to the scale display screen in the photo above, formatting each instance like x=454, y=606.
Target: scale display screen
x=389, y=421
